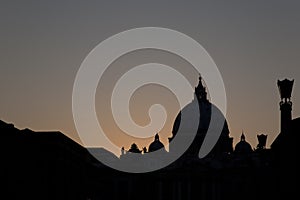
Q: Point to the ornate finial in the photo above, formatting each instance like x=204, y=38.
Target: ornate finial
x=200, y=81
x=156, y=137
x=285, y=88
x=243, y=136
x=262, y=139
x=200, y=91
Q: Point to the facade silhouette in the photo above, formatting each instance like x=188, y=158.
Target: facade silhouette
x=49, y=165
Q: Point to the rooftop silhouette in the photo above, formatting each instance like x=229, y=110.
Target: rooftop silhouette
x=49, y=165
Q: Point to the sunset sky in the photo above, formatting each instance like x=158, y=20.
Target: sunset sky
x=43, y=44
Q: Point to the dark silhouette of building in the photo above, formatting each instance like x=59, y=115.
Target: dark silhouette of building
x=49, y=165
x=285, y=89
x=134, y=149
x=243, y=147
x=41, y=165
x=262, y=141
x=285, y=146
x=224, y=144
x=156, y=144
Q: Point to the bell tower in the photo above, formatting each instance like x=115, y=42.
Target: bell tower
x=285, y=89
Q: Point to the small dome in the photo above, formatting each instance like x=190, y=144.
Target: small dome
x=243, y=146
x=156, y=144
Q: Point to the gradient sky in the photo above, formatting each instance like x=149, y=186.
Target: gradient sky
x=43, y=43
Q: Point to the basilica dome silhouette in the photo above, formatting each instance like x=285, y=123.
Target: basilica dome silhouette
x=202, y=108
x=156, y=144
x=243, y=146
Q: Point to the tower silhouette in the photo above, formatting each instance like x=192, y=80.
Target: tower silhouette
x=285, y=89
